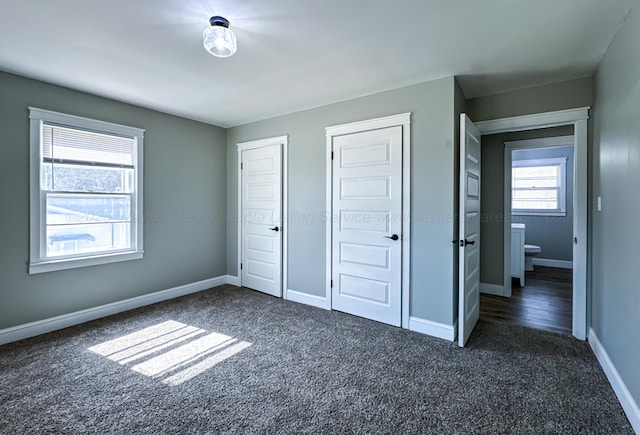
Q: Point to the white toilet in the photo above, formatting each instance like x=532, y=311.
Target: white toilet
x=530, y=251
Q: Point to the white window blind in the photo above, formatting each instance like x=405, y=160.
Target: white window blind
x=70, y=145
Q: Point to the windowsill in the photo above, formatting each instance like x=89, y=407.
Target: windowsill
x=522, y=213
x=73, y=263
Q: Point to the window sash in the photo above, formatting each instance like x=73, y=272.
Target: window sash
x=559, y=186
x=44, y=226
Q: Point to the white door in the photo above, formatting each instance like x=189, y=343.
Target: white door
x=261, y=264
x=469, y=243
x=367, y=231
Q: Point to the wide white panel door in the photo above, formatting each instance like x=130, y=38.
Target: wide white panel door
x=367, y=230
x=469, y=243
x=261, y=219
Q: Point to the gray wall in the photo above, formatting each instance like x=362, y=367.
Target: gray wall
x=432, y=194
x=553, y=234
x=184, y=205
x=616, y=137
x=492, y=199
x=557, y=96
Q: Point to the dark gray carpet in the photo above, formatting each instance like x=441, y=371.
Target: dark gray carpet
x=306, y=370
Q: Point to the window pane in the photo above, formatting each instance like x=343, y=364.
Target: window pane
x=536, y=194
x=536, y=171
x=534, y=182
x=79, y=178
x=87, y=209
x=523, y=204
x=87, y=238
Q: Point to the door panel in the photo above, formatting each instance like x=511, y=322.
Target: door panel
x=367, y=201
x=469, y=231
x=261, y=215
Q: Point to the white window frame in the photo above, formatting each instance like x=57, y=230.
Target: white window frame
x=561, y=210
x=38, y=262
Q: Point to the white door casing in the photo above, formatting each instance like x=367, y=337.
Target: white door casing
x=261, y=215
x=469, y=232
x=367, y=235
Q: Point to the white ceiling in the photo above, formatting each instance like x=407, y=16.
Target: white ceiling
x=297, y=54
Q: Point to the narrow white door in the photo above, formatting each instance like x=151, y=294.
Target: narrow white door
x=469, y=243
x=367, y=230
x=261, y=265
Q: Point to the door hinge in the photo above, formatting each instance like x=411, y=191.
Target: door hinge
x=240, y=266
x=331, y=283
x=331, y=155
x=241, y=166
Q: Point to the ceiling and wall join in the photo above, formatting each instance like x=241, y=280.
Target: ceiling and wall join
x=296, y=55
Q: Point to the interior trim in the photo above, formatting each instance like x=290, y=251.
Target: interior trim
x=536, y=120
x=434, y=329
x=491, y=289
x=308, y=299
x=43, y=326
x=548, y=262
x=623, y=394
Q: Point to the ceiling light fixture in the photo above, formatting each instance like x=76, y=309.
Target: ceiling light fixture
x=218, y=39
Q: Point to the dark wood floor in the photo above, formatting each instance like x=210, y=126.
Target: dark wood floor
x=545, y=302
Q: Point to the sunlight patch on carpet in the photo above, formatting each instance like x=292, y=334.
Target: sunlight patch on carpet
x=170, y=351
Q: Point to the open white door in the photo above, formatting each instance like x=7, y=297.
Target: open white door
x=367, y=235
x=261, y=205
x=469, y=243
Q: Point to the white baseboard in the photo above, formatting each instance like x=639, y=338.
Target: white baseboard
x=307, y=299
x=491, y=289
x=233, y=280
x=435, y=329
x=561, y=264
x=32, y=329
x=629, y=405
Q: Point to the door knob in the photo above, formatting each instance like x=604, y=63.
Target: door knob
x=275, y=229
x=393, y=237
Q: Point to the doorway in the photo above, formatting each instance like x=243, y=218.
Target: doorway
x=262, y=209
x=538, y=193
x=577, y=118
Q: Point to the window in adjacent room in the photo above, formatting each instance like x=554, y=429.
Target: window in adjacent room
x=86, y=192
x=539, y=187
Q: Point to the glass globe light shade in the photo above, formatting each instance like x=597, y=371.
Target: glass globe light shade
x=218, y=39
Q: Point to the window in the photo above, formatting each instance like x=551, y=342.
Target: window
x=86, y=192
x=539, y=187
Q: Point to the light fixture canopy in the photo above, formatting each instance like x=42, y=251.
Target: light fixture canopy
x=218, y=39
